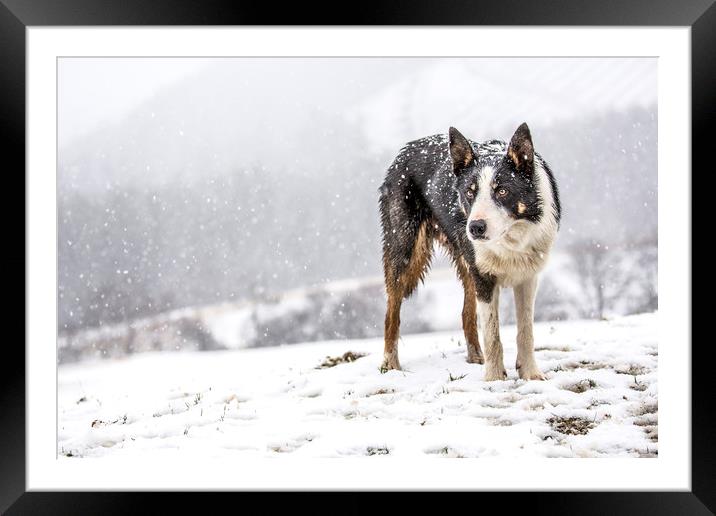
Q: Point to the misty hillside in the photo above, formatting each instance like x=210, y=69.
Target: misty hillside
x=491, y=97
x=247, y=179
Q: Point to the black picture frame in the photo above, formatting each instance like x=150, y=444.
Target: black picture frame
x=17, y=15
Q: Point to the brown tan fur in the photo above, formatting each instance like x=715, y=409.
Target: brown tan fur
x=401, y=287
x=469, y=312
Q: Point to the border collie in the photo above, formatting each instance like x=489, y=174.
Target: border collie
x=495, y=208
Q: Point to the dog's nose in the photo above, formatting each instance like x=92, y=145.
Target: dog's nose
x=478, y=228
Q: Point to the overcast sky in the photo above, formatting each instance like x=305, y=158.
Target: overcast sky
x=96, y=91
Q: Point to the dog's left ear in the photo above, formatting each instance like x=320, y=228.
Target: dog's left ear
x=521, y=150
x=460, y=150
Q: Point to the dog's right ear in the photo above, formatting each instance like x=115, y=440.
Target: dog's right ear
x=460, y=151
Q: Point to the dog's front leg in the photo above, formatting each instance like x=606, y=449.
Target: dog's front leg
x=524, y=307
x=489, y=320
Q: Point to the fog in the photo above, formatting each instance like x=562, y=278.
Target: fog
x=191, y=182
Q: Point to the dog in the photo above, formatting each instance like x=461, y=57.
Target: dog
x=495, y=207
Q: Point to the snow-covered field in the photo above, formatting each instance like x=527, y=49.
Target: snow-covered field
x=599, y=400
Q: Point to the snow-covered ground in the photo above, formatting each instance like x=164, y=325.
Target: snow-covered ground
x=599, y=400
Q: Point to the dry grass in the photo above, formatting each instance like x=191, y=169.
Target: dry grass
x=345, y=358
x=647, y=408
x=633, y=370
x=638, y=386
x=563, y=349
x=452, y=378
x=98, y=422
x=581, y=386
x=380, y=391
x=571, y=425
x=584, y=364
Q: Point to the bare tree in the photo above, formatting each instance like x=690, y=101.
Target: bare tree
x=591, y=263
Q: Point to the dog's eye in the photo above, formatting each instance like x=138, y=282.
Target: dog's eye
x=501, y=192
x=470, y=194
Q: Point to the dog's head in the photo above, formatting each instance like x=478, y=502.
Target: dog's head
x=495, y=184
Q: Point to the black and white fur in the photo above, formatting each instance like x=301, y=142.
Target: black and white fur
x=495, y=207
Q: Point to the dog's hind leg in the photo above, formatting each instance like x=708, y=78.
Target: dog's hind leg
x=469, y=313
x=392, y=330
x=524, y=307
x=406, y=258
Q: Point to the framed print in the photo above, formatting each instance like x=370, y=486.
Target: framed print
x=443, y=250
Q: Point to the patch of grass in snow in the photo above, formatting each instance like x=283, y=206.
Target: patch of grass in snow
x=596, y=403
x=652, y=432
x=581, y=386
x=512, y=397
x=194, y=402
x=98, y=422
x=292, y=445
x=171, y=409
x=380, y=391
x=534, y=406
x=647, y=408
x=69, y=453
x=633, y=370
x=648, y=453
x=381, y=450
x=571, y=425
x=445, y=451
x=452, y=378
x=499, y=421
x=494, y=404
x=647, y=418
x=439, y=451
x=584, y=364
x=650, y=428
x=348, y=356
x=638, y=386
x=563, y=349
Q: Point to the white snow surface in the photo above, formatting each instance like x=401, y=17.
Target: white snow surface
x=276, y=402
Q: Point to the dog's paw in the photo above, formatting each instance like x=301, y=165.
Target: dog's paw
x=474, y=354
x=495, y=373
x=530, y=373
x=390, y=362
x=474, y=358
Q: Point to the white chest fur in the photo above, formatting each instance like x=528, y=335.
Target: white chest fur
x=510, y=262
